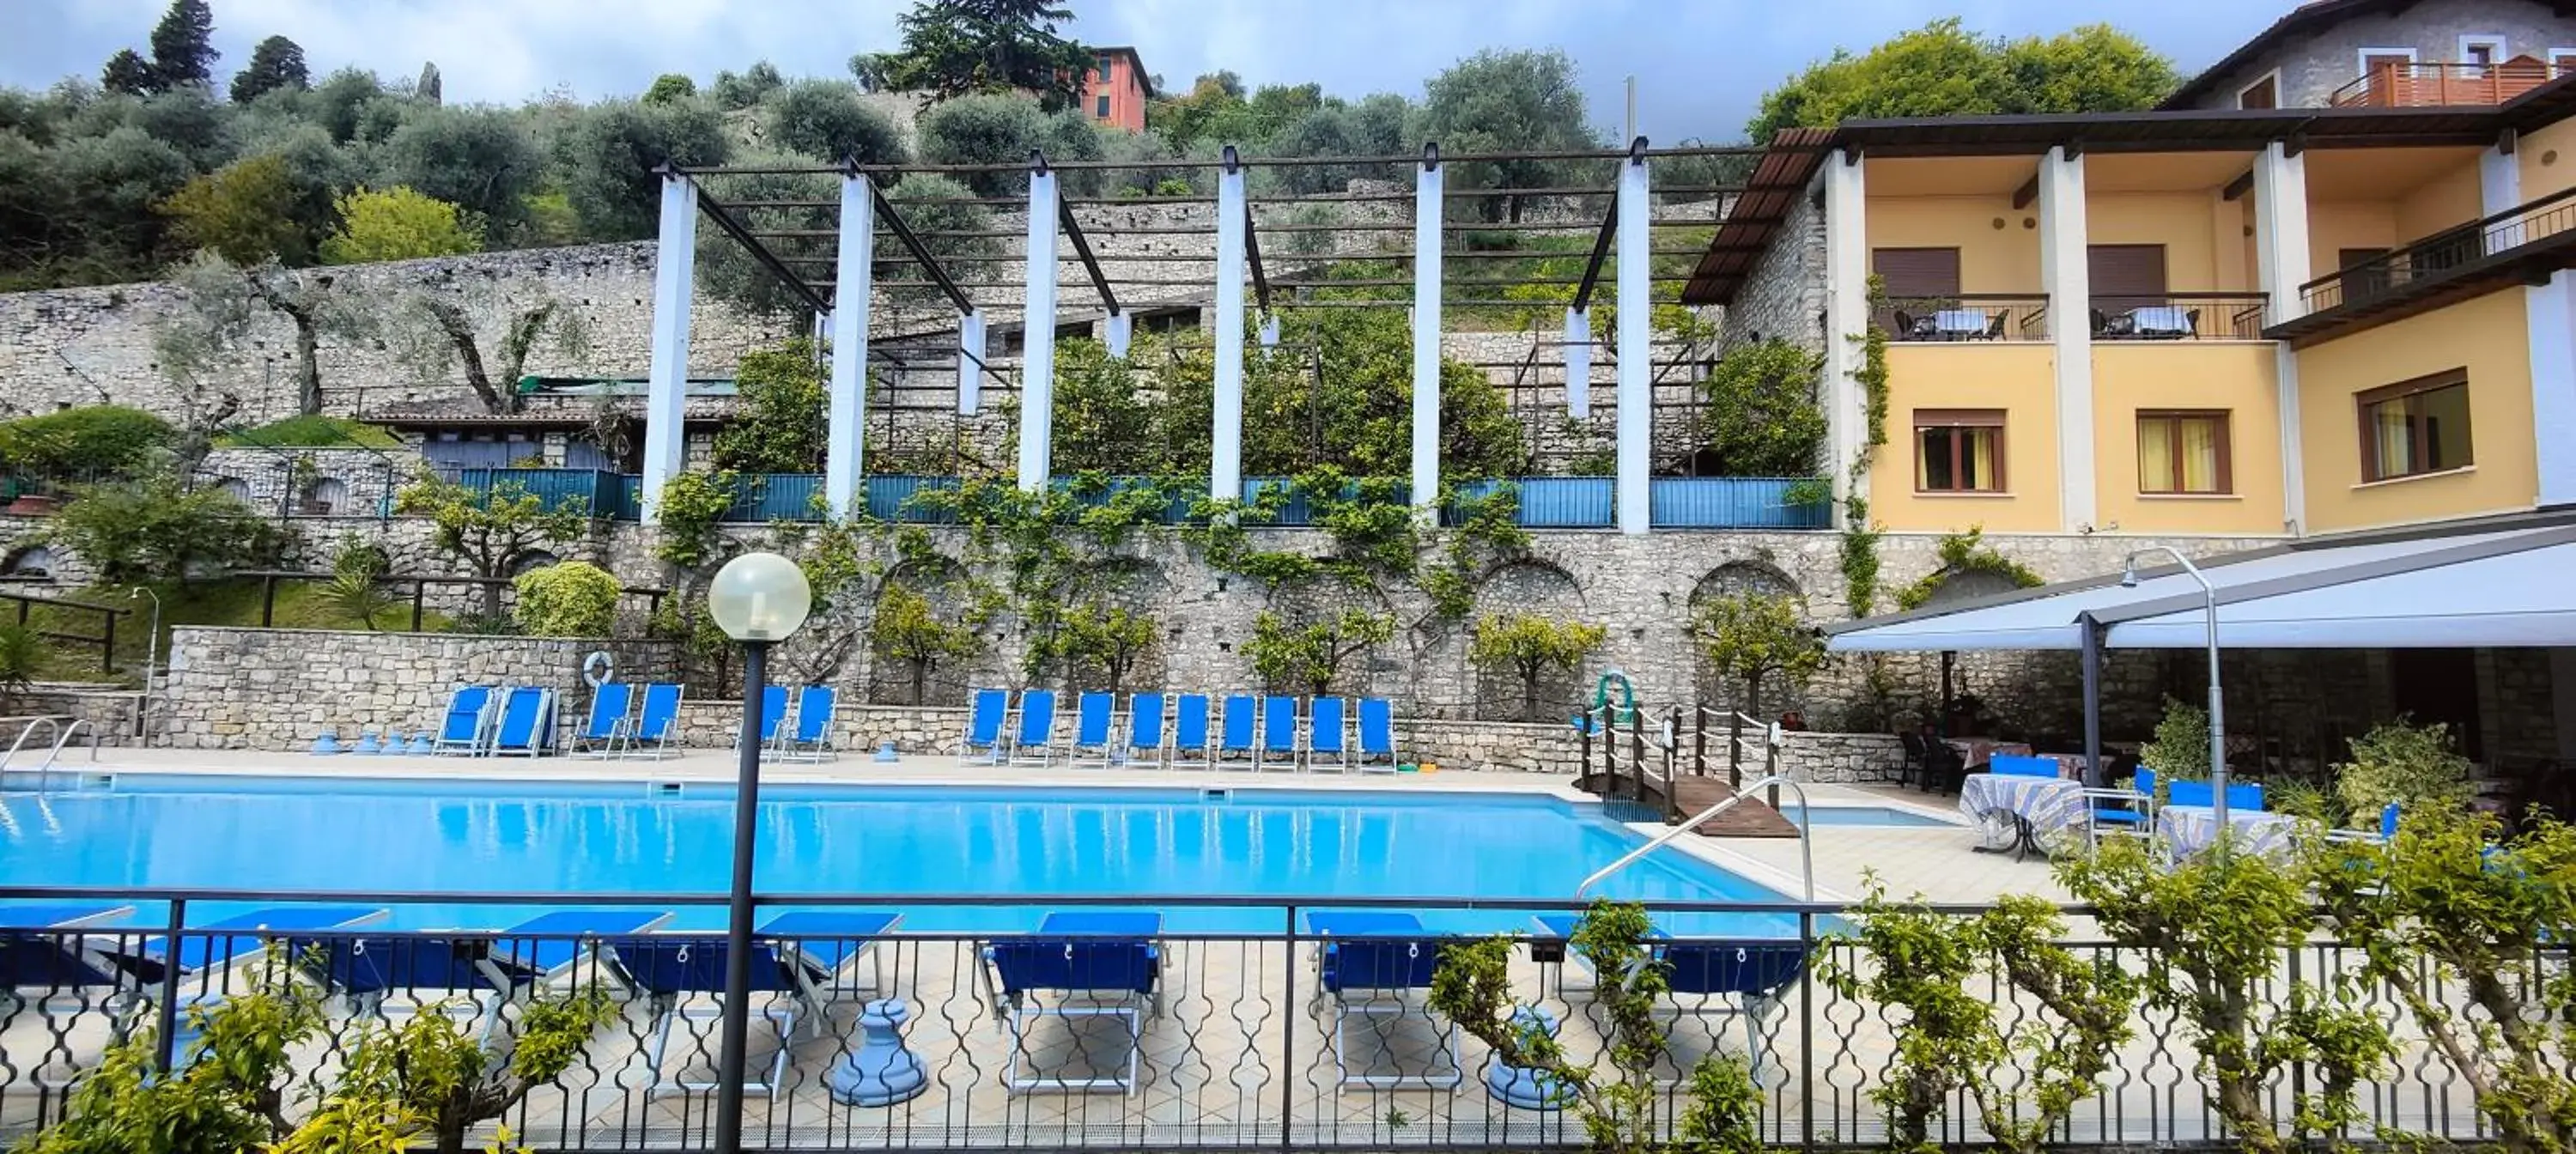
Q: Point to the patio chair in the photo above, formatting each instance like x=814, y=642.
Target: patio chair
x=1093, y=716
x=1328, y=734
x=1147, y=729
x=984, y=715
x=527, y=724
x=1372, y=966
x=810, y=739
x=1377, y=735
x=657, y=723
x=467, y=723
x=1278, y=746
x=611, y=705
x=1943, y=767
x=773, y=716
x=682, y=977
x=1190, y=733
x=1741, y=977
x=1033, y=739
x=2009, y=765
x=1090, y=964
x=1913, y=765
x=2121, y=811
x=1234, y=741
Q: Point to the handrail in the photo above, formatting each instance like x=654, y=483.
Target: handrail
x=56, y=722
x=1806, y=834
x=2451, y=235
x=68, y=733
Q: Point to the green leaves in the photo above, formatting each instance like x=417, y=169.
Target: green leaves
x=1761, y=418
x=952, y=48
x=568, y=599
x=1754, y=636
x=691, y=506
x=1942, y=69
x=777, y=425
x=1530, y=646
x=1308, y=657
x=1961, y=554
x=398, y=224
x=2415, y=766
x=156, y=530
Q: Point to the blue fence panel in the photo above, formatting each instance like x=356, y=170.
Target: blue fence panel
x=1175, y=510
x=585, y=491
x=1297, y=511
x=1567, y=502
x=1731, y=503
x=765, y=497
x=890, y=498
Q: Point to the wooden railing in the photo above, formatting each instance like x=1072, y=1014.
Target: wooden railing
x=2444, y=85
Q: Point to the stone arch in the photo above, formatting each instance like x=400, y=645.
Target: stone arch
x=324, y=497
x=1363, y=673
x=1536, y=588
x=235, y=488
x=1735, y=579
x=941, y=582
x=30, y=561
x=1967, y=585
x=530, y=561
x=1141, y=588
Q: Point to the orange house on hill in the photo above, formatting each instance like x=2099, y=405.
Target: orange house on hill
x=1116, y=87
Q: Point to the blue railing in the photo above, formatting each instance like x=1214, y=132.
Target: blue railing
x=589, y=492
x=1297, y=510
x=766, y=497
x=1732, y=503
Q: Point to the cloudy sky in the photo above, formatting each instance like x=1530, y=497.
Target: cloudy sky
x=1700, y=64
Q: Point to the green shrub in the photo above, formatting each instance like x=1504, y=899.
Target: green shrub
x=569, y=599
x=2412, y=765
x=156, y=530
x=88, y=442
x=1530, y=646
x=2180, y=749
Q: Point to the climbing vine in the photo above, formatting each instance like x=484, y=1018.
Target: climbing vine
x=1859, y=545
x=1965, y=553
x=691, y=506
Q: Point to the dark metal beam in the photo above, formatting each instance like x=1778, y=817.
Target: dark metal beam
x=2028, y=192
x=903, y=232
x=2237, y=188
x=1600, y=252
x=1082, y=248
x=1252, y=250
x=759, y=252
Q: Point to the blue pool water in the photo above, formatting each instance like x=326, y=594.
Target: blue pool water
x=499, y=836
x=1877, y=815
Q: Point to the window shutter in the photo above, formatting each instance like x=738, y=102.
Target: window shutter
x=1917, y=272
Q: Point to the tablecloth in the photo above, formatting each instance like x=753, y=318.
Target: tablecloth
x=2049, y=804
x=2189, y=829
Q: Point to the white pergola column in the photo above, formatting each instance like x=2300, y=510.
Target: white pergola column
x=2280, y=267
x=1846, y=320
x=1037, y=357
x=1118, y=332
x=675, y=264
x=853, y=265
x=1578, y=363
x=1636, y=385
x=1225, y=441
x=2550, y=315
x=2065, y=271
x=2500, y=191
x=970, y=363
x=1428, y=215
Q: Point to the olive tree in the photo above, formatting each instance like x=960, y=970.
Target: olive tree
x=1531, y=646
x=487, y=529
x=226, y=304
x=1754, y=637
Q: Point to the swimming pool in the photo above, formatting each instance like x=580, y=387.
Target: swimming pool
x=1875, y=815
x=460, y=836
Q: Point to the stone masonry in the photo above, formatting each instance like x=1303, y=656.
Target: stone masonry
x=2313, y=67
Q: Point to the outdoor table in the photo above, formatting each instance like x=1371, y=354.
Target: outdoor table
x=1959, y=324
x=1975, y=752
x=2189, y=829
x=2036, y=806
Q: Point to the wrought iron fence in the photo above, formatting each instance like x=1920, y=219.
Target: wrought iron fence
x=2209, y=316
x=966, y=1027
x=1965, y=317
x=2444, y=254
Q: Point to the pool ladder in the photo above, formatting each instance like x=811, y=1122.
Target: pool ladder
x=64, y=729
x=1806, y=834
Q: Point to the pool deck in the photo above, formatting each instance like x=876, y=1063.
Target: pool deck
x=1938, y=862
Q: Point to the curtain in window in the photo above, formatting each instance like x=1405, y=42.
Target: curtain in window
x=2390, y=440
x=1980, y=459
x=2155, y=455
x=2199, y=454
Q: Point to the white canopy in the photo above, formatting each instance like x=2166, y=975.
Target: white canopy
x=2513, y=587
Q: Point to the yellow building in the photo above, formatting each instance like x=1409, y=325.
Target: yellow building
x=2231, y=323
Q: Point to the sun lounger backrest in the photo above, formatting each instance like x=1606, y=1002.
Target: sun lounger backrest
x=1238, y=722
x=2009, y=765
x=1326, y=721
x=1384, y=963
x=1756, y=968
x=1190, y=722
x=524, y=718
x=1091, y=720
x=661, y=709
x=608, y=706
x=1074, y=965
x=773, y=711
x=984, y=721
x=465, y=711
x=2245, y=796
x=1037, y=717
x=692, y=964
x=2388, y=822
x=375, y=965
x=814, y=706
x=46, y=960
x=1377, y=727
x=1145, y=721
x=1279, y=724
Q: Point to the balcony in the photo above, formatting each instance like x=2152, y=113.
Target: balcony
x=1965, y=317
x=2532, y=239
x=2206, y=316
x=2444, y=85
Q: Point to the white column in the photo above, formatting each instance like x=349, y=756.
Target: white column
x=2066, y=273
x=1037, y=358
x=2500, y=192
x=675, y=263
x=1118, y=331
x=1846, y=319
x=853, y=263
x=1636, y=382
x=1225, y=440
x=2550, y=318
x=1578, y=363
x=1270, y=330
x=2281, y=266
x=970, y=363
x=1428, y=216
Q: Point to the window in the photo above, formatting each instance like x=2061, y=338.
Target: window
x=2183, y=452
x=2478, y=50
x=1104, y=65
x=2125, y=276
x=2415, y=427
x=1959, y=450
x=2562, y=61
x=1101, y=107
x=2264, y=93
x=1917, y=272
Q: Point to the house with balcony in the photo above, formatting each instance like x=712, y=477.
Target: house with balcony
x=2391, y=54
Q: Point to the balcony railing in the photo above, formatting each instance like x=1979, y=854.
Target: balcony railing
x=1965, y=317
x=2179, y=317
x=2443, y=254
x=2444, y=85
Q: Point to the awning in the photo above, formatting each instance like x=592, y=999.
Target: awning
x=2500, y=587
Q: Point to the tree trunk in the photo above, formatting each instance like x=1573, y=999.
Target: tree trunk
x=308, y=373
x=1529, y=695
x=460, y=333
x=920, y=680
x=491, y=598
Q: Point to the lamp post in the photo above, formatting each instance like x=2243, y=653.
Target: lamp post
x=2217, y=720
x=758, y=599
x=151, y=657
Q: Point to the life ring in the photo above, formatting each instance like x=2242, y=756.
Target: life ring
x=596, y=668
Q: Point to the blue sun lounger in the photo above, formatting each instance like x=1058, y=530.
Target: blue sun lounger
x=675, y=970
x=1190, y=733
x=832, y=939
x=1234, y=749
x=1147, y=730
x=468, y=966
x=555, y=942
x=1371, y=966
x=1278, y=747
x=611, y=723
x=527, y=724
x=1033, y=739
x=984, y=716
x=1377, y=735
x=467, y=723
x=247, y=935
x=42, y=953
x=1093, y=717
x=1086, y=964
x=810, y=739
x=1739, y=976
x=773, y=716
x=1328, y=734
x=657, y=723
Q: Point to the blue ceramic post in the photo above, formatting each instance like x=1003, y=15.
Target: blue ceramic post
x=880, y=1072
x=1525, y=1088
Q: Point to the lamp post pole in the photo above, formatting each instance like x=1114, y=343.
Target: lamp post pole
x=2217, y=702
x=738, y=916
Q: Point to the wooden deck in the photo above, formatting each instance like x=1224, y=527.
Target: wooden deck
x=1754, y=818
